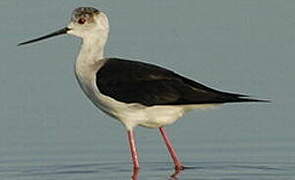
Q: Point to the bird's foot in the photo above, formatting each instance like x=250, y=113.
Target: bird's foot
x=179, y=167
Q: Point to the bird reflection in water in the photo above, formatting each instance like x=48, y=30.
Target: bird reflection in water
x=136, y=172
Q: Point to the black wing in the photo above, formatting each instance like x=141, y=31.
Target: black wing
x=137, y=82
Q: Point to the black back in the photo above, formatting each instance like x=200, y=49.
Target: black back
x=137, y=82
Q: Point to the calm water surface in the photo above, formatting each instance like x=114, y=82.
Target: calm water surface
x=267, y=161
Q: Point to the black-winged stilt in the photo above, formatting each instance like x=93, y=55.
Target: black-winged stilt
x=134, y=92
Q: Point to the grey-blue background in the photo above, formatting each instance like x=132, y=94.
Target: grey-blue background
x=47, y=123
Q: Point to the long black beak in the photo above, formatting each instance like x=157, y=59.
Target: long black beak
x=56, y=33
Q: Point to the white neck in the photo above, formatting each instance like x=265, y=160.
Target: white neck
x=92, y=51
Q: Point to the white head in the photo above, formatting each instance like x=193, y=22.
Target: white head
x=87, y=23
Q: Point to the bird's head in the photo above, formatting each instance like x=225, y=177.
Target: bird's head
x=86, y=23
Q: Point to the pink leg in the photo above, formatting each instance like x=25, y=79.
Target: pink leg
x=177, y=162
x=133, y=149
x=135, y=174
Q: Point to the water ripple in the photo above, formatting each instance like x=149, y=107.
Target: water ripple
x=153, y=170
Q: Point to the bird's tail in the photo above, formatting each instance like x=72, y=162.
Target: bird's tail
x=236, y=98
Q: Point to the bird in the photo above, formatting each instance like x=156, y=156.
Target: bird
x=136, y=93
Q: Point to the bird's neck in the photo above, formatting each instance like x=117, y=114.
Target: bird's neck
x=88, y=61
x=91, y=52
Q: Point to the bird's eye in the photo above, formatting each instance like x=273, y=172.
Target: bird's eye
x=81, y=21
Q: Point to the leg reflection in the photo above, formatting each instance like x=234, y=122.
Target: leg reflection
x=176, y=174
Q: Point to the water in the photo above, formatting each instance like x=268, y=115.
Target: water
x=207, y=160
x=49, y=129
x=152, y=170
